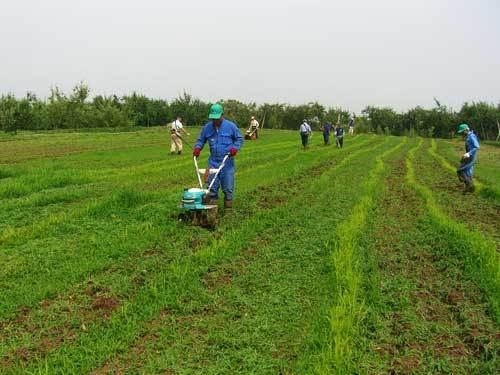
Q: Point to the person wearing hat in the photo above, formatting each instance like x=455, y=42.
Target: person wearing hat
x=175, y=136
x=223, y=137
x=351, y=124
x=305, y=132
x=466, y=169
x=254, y=127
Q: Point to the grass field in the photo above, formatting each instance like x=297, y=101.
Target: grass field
x=366, y=259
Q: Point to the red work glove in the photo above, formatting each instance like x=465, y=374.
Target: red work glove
x=233, y=151
x=196, y=151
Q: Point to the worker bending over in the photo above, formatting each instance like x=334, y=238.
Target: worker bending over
x=466, y=169
x=254, y=127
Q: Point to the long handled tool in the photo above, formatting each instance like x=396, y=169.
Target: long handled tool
x=183, y=140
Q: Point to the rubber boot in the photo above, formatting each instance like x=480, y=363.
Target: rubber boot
x=228, y=207
x=469, y=185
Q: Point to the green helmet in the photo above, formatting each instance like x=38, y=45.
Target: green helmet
x=216, y=111
x=462, y=128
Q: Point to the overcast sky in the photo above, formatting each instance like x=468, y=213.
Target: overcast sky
x=348, y=53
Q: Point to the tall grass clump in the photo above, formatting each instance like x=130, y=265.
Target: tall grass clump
x=6, y=173
x=120, y=201
x=13, y=189
x=37, y=180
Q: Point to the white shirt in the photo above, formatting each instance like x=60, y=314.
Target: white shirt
x=304, y=128
x=176, y=126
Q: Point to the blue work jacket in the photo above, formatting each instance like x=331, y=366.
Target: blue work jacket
x=471, y=146
x=220, y=141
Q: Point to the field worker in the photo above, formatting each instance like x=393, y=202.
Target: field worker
x=175, y=136
x=305, y=132
x=351, y=124
x=254, y=126
x=223, y=137
x=466, y=168
x=339, y=136
x=327, y=127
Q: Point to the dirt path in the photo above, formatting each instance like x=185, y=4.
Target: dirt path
x=430, y=317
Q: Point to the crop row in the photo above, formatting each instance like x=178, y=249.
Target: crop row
x=479, y=252
x=422, y=306
x=348, y=310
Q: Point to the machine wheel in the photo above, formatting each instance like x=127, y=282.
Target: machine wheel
x=210, y=218
x=203, y=218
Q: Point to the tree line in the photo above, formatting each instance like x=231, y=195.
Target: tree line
x=78, y=110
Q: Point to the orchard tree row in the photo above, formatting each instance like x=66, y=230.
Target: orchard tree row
x=79, y=110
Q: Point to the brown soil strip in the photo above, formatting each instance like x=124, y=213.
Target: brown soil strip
x=75, y=311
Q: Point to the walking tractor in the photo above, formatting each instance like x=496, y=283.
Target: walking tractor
x=250, y=134
x=196, y=204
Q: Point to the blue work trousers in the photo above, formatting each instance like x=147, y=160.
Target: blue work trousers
x=305, y=139
x=225, y=181
x=467, y=169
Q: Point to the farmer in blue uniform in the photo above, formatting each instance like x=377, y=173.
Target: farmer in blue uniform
x=223, y=137
x=466, y=168
x=327, y=127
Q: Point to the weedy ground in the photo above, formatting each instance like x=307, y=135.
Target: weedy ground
x=361, y=260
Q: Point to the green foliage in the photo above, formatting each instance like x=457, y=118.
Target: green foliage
x=79, y=111
x=483, y=118
x=239, y=112
x=383, y=120
x=19, y=114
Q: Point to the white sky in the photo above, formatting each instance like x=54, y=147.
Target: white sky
x=351, y=53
